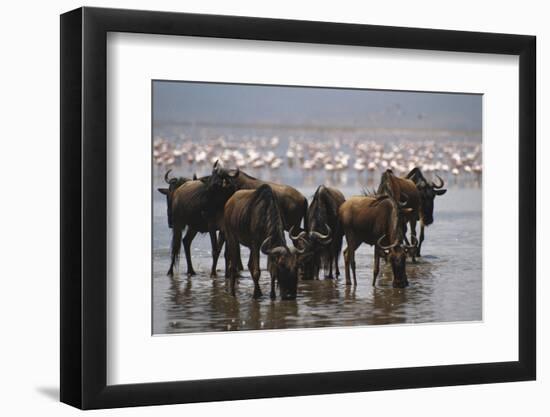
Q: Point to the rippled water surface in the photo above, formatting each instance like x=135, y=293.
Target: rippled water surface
x=445, y=284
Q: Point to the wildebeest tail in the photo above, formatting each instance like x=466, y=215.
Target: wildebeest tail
x=175, y=249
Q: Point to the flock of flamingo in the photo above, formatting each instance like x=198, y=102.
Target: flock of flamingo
x=457, y=160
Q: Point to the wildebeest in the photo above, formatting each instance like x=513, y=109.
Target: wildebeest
x=189, y=207
x=378, y=221
x=404, y=191
x=253, y=218
x=419, y=195
x=173, y=184
x=322, y=234
x=428, y=191
x=292, y=203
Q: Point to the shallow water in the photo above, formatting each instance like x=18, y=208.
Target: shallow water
x=445, y=284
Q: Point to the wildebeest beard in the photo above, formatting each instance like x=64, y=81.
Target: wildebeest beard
x=264, y=218
x=397, y=253
x=317, y=236
x=285, y=266
x=428, y=192
x=427, y=196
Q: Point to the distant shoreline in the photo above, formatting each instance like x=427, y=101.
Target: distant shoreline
x=317, y=127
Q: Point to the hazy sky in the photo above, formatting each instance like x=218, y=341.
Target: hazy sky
x=238, y=103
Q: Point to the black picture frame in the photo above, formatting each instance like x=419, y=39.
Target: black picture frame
x=84, y=207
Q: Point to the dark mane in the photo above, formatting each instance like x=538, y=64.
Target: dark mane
x=388, y=185
x=264, y=203
x=396, y=218
x=317, y=209
x=375, y=195
x=321, y=213
x=318, y=190
x=371, y=193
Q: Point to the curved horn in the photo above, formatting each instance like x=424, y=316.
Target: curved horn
x=263, y=247
x=394, y=244
x=441, y=183
x=300, y=251
x=321, y=237
x=415, y=243
x=278, y=250
x=166, y=179
x=403, y=203
x=298, y=236
x=215, y=165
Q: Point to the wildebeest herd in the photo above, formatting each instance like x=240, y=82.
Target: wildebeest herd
x=237, y=209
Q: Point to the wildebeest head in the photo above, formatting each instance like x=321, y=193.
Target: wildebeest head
x=312, y=242
x=218, y=188
x=284, y=264
x=173, y=184
x=396, y=254
x=222, y=178
x=428, y=191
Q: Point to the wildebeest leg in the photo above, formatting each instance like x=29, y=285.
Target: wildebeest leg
x=353, y=266
x=316, y=266
x=347, y=265
x=421, y=239
x=254, y=268
x=227, y=261
x=176, y=247
x=273, y=294
x=405, y=233
x=240, y=266
x=349, y=259
x=376, y=268
x=327, y=263
x=414, y=253
x=189, y=236
x=336, y=268
x=329, y=256
x=230, y=270
x=216, y=249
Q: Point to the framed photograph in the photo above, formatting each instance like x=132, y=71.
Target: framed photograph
x=259, y=208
